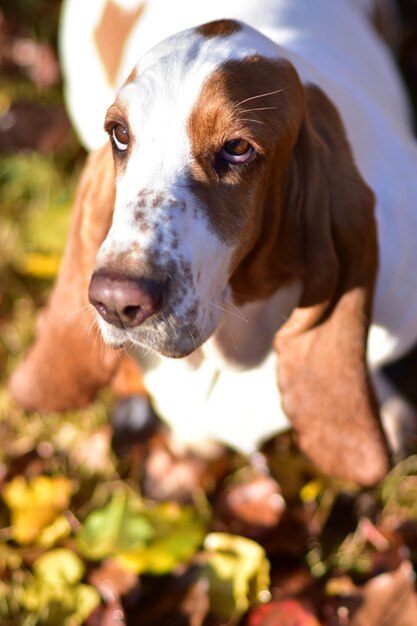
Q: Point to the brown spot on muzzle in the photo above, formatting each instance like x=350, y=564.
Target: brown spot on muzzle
x=219, y=28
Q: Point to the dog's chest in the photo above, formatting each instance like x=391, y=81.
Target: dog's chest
x=225, y=392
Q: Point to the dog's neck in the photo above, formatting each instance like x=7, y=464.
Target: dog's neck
x=244, y=338
x=225, y=391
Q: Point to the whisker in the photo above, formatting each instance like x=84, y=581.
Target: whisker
x=89, y=310
x=258, y=109
x=246, y=296
x=233, y=305
x=83, y=308
x=231, y=336
x=261, y=95
x=85, y=279
x=93, y=325
x=242, y=119
x=229, y=312
x=123, y=351
x=86, y=312
x=102, y=348
x=97, y=337
x=192, y=337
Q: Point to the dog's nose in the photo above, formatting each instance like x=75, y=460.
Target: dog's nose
x=123, y=301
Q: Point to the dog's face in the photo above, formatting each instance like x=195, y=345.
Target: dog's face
x=197, y=134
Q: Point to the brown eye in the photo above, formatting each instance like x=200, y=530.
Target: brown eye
x=120, y=136
x=236, y=151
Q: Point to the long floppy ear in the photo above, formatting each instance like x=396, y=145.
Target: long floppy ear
x=322, y=370
x=68, y=363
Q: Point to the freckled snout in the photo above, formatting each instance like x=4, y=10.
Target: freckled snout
x=124, y=301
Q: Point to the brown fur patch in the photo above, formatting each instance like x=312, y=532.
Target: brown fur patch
x=111, y=34
x=261, y=101
x=219, y=28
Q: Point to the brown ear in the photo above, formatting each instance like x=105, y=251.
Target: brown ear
x=322, y=374
x=68, y=362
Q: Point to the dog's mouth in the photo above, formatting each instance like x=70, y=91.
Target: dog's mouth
x=168, y=318
x=164, y=333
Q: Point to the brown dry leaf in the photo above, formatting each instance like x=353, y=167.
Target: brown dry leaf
x=282, y=613
x=385, y=600
x=257, y=502
x=174, y=477
x=108, y=615
x=388, y=600
x=112, y=582
x=251, y=504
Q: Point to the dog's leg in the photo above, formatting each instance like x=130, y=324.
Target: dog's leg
x=68, y=362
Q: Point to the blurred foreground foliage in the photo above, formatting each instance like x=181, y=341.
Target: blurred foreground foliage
x=102, y=527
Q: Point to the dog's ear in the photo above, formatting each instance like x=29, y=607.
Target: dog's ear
x=322, y=369
x=68, y=362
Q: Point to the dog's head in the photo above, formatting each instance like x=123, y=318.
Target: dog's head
x=202, y=135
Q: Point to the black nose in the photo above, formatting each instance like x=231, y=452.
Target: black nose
x=124, y=301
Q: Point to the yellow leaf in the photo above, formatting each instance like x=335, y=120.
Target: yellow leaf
x=41, y=265
x=59, y=566
x=311, y=491
x=36, y=505
x=238, y=574
x=59, y=529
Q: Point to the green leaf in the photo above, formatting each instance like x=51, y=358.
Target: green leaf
x=178, y=532
x=114, y=528
x=142, y=537
x=238, y=574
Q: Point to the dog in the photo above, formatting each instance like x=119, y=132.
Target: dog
x=260, y=223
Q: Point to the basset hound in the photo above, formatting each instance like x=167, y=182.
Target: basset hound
x=261, y=220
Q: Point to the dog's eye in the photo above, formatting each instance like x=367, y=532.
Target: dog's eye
x=236, y=151
x=120, y=136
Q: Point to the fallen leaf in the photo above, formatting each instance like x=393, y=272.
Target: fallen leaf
x=179, y=476
x=385, y=600
x=59, y=566
x=54, y=595
x=238, y=574
x=107, y=615
x=388, y=600
x=254, y=501
x=115, y=528
x=112, y=581
x=178, y=533
x=36, y=506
